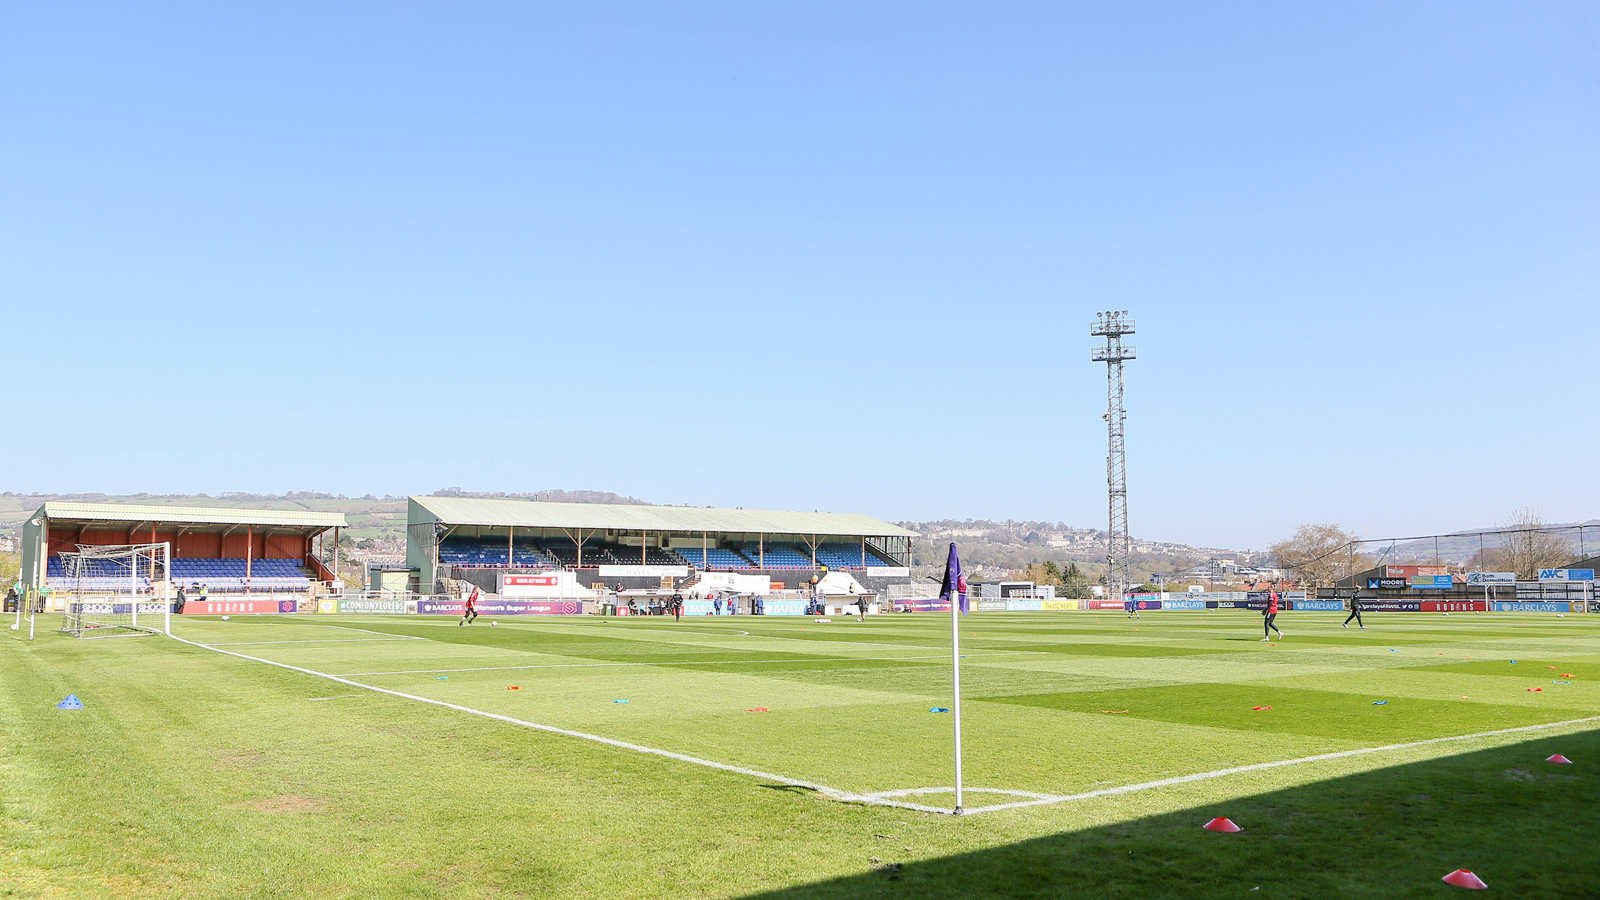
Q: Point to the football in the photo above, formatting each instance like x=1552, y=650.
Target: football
x=224, y=618
x=493, y=624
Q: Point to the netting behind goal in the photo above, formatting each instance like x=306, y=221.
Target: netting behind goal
x=116, y=590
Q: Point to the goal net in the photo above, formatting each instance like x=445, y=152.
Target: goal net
x=116, y=590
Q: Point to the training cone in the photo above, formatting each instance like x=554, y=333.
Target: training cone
x=1221, y=824
x=72, y=702
x=1558, y=758
x=1463, y=878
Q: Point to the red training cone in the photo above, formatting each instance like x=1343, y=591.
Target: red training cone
x=1221, y=824
x=1464, y=878
x=1558, y=758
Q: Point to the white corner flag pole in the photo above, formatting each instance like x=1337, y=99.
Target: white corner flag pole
x=955, y=673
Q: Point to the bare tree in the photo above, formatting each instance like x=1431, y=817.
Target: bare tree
x=1319, y=555
x=1530, y=545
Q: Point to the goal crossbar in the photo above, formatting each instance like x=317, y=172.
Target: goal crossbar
x=117, y=590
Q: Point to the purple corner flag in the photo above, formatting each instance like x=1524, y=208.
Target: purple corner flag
x=954, y=582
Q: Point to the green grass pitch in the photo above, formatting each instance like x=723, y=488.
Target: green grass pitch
x=192, y=773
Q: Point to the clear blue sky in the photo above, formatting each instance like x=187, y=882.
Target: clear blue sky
x=812, y=256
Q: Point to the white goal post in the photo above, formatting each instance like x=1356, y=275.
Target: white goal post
x=116, y=590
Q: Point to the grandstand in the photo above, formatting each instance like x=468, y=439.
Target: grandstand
x=226, y=550
x=472, y=538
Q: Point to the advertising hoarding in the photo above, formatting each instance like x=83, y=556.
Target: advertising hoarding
x=1455, y=606
x=238, y=607
x=1478, y=579
x=643, y=571
x=1383, y=604
x=489, y=606
x=922, y=604
x=541, y=585
x=1528, y=606
x=370, y=605
x=1058, y=604
x=1430, y=582
x=1566, y=574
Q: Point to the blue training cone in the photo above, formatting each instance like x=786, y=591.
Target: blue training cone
x=72, y=702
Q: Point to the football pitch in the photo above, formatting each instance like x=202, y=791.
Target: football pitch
x=394, y=756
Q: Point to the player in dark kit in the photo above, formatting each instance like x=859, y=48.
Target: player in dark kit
x=472, y=608
x=677, y=607
x=1355, y=611
x=1269, y=614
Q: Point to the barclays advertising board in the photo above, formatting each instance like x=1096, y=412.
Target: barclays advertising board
x=1527, y=606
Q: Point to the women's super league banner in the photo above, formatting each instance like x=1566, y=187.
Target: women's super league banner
x=492, y=607
x=921, y=604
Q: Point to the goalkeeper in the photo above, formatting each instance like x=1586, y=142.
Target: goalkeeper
x=472, y=608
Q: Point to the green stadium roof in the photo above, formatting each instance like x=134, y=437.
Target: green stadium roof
x=624, y=517
x=191, y=515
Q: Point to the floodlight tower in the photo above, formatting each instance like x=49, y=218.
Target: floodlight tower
x=1113, y=325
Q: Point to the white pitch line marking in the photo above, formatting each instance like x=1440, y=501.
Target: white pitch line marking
x=883, y=798
x=369, y=631
x=830, y=792
x=319, y=641
x=1045, y=799
x=709, y=662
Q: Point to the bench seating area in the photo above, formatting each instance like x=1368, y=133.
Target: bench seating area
x=714, y=558
x=216, y=574
x=490, y=553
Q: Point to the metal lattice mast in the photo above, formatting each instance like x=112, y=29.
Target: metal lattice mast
x=1119, y=546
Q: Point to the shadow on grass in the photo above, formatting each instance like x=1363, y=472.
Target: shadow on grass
x=1527, y=827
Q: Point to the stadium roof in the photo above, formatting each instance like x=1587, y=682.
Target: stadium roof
x=192, y=515
x=620, y=517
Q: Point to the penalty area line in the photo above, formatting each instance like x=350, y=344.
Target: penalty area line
x=826, y=791
x=1046, y=800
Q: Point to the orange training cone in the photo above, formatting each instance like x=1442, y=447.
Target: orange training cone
x=1558, y=758
x=1464, y=878
x=1221, y=824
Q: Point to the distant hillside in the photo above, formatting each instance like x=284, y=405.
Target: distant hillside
x=1458, y=548
x=994, y=548
x=552, y=496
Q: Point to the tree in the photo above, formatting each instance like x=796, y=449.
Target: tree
x=1530, y=545
x=1317, y=555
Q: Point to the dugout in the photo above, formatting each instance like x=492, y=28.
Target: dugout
x=480, y=540
x=226, y=549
